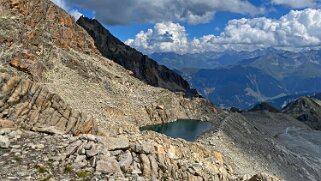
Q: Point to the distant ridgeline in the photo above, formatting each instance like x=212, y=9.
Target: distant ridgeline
x=141, y=65
x=242, y=79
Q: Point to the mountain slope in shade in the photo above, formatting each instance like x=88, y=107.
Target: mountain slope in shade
x=281, y=102
x=235, y=86
x=307, y=110
x=143, y=67
x=294, y=73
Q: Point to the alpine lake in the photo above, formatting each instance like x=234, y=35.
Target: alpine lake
x=186, y=129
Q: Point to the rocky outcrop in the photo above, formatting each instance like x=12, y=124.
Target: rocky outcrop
x=30, y=30
x=142, y=67
x=64, y=32
x=307, y=110
x=31, y=106
x=28, y=155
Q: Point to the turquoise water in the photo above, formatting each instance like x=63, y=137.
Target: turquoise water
x=186, y=129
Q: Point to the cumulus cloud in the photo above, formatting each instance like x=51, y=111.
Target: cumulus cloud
x=297, y=29
x=73, y=12
x=164, y=37
x=296, y=3
x=115, y=12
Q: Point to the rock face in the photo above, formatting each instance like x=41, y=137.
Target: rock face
x=143, y=67
x=32, y=106
x=307, y=110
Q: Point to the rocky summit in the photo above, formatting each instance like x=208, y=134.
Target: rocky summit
x=69, y=113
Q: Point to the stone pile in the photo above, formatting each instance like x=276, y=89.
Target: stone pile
x=117, y=158
x=27, y=155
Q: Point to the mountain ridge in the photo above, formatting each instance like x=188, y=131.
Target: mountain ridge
x=307, y=110
x=141, y=65
x=293, y=73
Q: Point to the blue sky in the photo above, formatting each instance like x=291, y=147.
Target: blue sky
x=215, y=26
x=206, y=25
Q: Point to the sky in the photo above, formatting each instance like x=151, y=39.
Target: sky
x=196, y=26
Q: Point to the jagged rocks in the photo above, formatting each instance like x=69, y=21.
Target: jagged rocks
x=36, y=156
x=144, y=158
x=34, y=107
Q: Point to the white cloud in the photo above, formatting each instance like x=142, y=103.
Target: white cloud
x=164, y=37
x=73, y=12
x=119, y=12
x=60, y=3
x=296, y=3
x=297, y=29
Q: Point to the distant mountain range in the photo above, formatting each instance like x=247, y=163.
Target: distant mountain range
x=241, y=79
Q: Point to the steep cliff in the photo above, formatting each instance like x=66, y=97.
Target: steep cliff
x=143, y=67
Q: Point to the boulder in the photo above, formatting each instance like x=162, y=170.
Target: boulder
x=4, y=142
x=143, y=148
x=72, y=148
x=125, y=160
x=108, y=166
x=120, y=143
x=92, y=152
x=146, y=165
x=7, y=124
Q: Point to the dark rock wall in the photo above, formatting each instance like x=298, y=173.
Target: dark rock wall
x=141, y=65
